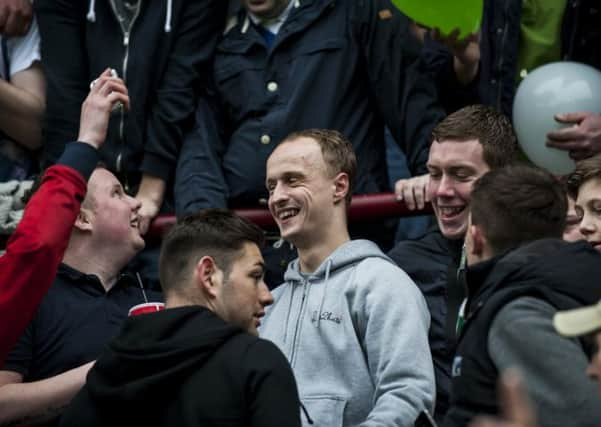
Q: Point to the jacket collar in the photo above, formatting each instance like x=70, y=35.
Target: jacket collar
x=90, y=283
x=242, y=35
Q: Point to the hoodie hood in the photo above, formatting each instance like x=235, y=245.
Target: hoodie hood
x=345, y=256
x=155, y=352
x=571, y=270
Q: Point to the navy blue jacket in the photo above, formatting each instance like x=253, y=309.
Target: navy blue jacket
x=163, y=60
x=496, y=81
x=344, y=65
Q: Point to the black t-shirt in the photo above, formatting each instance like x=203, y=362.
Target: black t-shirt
x=73, y=324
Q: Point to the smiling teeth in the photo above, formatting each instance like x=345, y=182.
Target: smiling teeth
x=451, y=210
x=288, y=213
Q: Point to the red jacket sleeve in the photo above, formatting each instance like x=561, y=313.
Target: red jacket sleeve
x=35, y=249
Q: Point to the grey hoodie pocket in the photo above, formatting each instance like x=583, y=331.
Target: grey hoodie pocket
x=325, y=411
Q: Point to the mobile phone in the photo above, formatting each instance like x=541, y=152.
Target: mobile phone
x=118, y=106
x=424, y=419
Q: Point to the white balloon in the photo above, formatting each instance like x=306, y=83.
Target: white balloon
x=558, y=87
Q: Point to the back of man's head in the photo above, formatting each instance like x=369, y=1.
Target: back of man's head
x=485, y=124
x=518, y=204
x=218, y=233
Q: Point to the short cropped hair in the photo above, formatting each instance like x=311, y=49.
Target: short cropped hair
x=37, y=183
x=585, y=171
x=337, y=152
x=218, y=233
x=492, y=128
x=518, y=204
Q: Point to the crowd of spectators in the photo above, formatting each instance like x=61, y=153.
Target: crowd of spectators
x=124, y=109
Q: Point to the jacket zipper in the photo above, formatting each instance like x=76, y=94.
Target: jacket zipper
x=298, y=324
x=126, y=34
x=501, y=59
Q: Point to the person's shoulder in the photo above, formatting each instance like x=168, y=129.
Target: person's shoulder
x=524, y=308
x=266, y=353
x=253, y=351
x=380, y=277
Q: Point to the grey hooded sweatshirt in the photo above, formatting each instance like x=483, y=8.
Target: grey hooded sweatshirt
x=356, y=334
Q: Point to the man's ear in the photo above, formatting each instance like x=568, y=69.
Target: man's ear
x=341, y=186
x=478, y=240
x=82, y=222
x=208, y=277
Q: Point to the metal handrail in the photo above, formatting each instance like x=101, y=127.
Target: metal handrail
x=364, y=207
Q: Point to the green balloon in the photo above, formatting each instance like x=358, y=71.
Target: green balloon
x=444, y=14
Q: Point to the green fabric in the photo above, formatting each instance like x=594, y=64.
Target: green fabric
x=540, y=34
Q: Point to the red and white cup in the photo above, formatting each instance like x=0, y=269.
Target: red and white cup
x=147, y=307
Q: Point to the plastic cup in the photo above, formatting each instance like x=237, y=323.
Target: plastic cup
x=147, y=307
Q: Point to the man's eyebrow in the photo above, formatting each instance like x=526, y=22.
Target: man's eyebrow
x=461, y=167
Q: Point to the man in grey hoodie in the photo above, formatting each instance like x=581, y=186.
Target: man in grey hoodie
x=352, y=324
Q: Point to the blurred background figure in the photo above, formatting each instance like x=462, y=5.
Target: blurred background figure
x=22, y=92
x=516, y=407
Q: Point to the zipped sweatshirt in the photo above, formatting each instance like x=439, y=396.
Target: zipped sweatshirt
x=162, y=52
x=356, y=334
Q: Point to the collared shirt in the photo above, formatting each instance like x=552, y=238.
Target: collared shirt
x=273, y=24
x=73, y=324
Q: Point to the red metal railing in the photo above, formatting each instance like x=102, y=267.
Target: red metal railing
x=364, y=207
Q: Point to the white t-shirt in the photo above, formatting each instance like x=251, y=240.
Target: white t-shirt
x=22, y=51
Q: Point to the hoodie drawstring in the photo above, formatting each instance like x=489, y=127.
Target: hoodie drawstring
x=292, y=288
x=309, y=420
x=325, y=288
x=168, y=16
x=91, y=16
x=245, y=25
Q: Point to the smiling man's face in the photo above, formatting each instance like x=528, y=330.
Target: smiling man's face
x=301, y=191
x=454, y=166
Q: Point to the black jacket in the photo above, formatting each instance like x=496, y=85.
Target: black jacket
x=565, y=275
x=163, y=62
x=432, y=262
x=335, y=64
x=187, y=367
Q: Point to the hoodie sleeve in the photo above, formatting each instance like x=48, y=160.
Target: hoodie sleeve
x=270, y=388
x=521, y=332
x=393, y=322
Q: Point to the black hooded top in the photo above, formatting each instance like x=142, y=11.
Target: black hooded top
x=564, y=275
x=186, y=367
